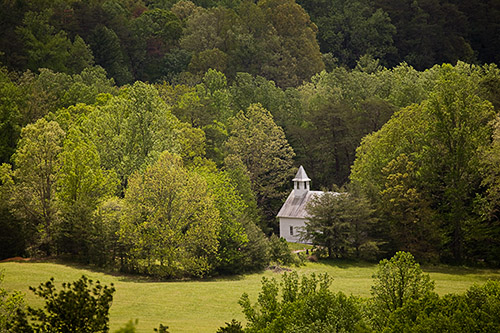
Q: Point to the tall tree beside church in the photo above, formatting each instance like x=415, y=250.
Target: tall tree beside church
x=444, y=136
x=342, y=223
x=261, y=146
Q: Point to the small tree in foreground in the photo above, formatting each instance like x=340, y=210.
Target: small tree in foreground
x=398, y=281
x=9, y=304
x=302, y=305
x=81, y=306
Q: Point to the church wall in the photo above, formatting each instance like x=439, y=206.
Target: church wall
x=296, y=223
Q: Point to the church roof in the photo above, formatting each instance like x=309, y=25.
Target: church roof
x=301, y=176
x=295, y=205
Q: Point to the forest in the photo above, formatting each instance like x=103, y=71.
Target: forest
x=161, y=137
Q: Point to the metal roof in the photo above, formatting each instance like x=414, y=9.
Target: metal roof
x=295, y=205
x=301, y=176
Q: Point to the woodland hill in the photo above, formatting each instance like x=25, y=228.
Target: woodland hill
x=160, y=137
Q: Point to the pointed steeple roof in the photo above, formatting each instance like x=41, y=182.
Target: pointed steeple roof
x=301, y=176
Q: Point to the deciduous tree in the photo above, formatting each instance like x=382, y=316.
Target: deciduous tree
x=261, y=146
x=170, y=221
x=36, y=164
x=398, y=281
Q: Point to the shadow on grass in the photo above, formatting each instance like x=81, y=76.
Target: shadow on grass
x=481, y=273
x=347, y=263
x=135, y=277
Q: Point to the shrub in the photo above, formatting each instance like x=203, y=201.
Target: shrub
x=304, y=305
x=81, y=306
x=9, y=305
x=398, y=281
x=280, y=253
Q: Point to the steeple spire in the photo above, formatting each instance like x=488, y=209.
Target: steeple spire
x=301, y=182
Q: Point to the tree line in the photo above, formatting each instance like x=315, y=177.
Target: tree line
x=77, y=148
x=427, y=180
x=281, y=40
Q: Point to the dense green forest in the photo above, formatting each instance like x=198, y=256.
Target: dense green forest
x=161, y=137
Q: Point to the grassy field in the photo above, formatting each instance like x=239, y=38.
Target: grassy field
x=203, y=306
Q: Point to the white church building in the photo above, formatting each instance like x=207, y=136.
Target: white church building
x=293, y=214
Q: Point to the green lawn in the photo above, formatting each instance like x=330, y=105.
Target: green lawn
x=299, y=246
x=203, y=306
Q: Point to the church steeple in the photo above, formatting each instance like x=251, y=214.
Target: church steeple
x=301, y=182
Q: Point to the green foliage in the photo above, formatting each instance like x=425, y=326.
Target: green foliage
x=30, y=97
x=475, y=311
x=339, y=107
x=485, y=235
x=280, y=253
x=170, y=222
x=10, y=115
x=80, y=306
x=132, y=129
x=46, y=47
x=429, y=32
x=233, y=327
x=302, y=305
x=108, y=53
x=231, y=235
x=342, y=223
x=82, y=185
x=431, y=152
x=155, y=33
x=269, y=167
x=33, y=197
x=255, y=252
x=299, y=54
x=461, y=125
x=247, y=90
x=284, y=41
x=255, y=38
x=105, y=246
x=351, y=29
x=429, y=172
x=49, y=91
x=407, y=210
x=399, y=282
x=9, y=305
x=12, y=237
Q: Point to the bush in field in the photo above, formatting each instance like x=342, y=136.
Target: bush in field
x=9, y=304
x=398, y=281
x=302, y=305
x=478, y=310
x=280, y=252
x=81, y=306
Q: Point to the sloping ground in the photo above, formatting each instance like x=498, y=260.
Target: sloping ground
x=203, y=306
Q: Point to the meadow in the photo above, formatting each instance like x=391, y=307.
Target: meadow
x=203, y=306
